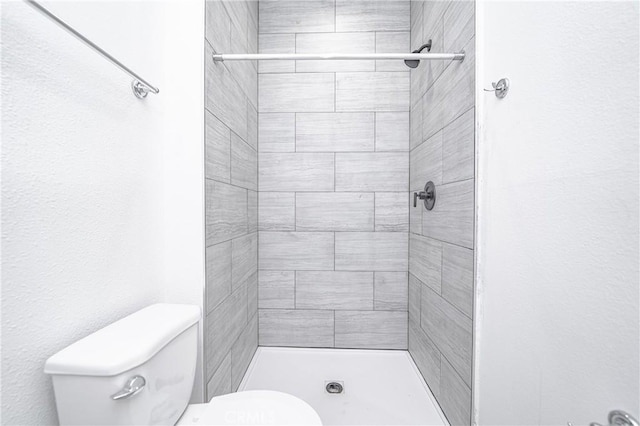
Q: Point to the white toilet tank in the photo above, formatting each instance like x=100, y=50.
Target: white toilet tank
x=158, y=343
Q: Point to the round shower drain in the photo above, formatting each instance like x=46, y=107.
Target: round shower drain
x=334, y=387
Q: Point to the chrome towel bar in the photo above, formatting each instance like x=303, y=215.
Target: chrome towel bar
x=139, y=85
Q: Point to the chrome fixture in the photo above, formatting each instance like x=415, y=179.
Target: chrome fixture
x=501, y=88
x=414, y=63
x=619, y=418
x=334, y=387
x=221, y=57
x=140, y=86
x=134, y=385
x=428, y=195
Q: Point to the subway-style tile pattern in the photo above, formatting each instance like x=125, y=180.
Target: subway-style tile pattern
x=334, y=139
x=441, y=242
x=231, y=185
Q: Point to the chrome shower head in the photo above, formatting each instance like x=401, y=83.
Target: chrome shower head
x=414, y=63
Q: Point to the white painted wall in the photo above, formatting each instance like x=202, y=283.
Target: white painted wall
x=101, y=192
x=557, y=335
x=183, y=186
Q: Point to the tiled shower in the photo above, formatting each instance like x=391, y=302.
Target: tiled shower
x=312, y=237
x=333, y=178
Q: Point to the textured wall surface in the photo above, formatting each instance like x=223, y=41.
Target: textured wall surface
x=441, y=241
x=333, y=176
x=82, y=193
x=231, y=184
x=559, y=279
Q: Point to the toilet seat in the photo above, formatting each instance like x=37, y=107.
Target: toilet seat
x=251, y=408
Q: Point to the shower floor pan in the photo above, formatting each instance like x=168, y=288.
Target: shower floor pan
x=377, y=387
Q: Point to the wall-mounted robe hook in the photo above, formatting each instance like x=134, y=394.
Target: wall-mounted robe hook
x=500, y=88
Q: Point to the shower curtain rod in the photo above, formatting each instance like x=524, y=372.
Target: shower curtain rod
x=221, y=57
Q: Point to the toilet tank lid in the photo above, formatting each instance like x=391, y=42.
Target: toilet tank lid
x=126, y=343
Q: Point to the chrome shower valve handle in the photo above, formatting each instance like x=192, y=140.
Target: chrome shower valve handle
x=428, y=195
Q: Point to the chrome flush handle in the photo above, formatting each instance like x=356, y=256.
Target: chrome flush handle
x=134, y=385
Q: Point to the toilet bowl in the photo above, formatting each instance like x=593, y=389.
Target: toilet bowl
x=140, y=370
x=251, y=408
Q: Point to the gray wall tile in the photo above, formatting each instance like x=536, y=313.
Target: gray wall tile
x=252, y=295
x=372, y=15
x=294, y=16
x=218, y=281
x=425, y=260
x=296, y=328
x=459, y=25
x=416, y=16
x=458, y=85
x=378, y=171
x=220, y=382
x=392, y=131
x=371, y=329
x=380, y=91
x=442, y=115
x=392, y=42
x=458, y=149
x=335, y=43
x=296, y=251
x=296, y=172
x=335, y=132
x=244, y=164
x=277, y=43
x=433, y=29
x=277, y=132
x=450, y=330
x=426, y=356
x=369, y=114
x=217, y=149
x=433, y=14
x=217, y=26
x=371, y=251
x=231, y=141
x=252, y=213
x=226, y=211
x=252, y=36
x=452, y=219
x=244, y=253
x=277, y=211
x=392, y=211
x=415, y=122
x=252, y=125
x=457, y=277
x=308, y=92
x=242, y=352
x=433, y=106
x=276, y=290
x=426, y=163
x=415, y=298
x=223, y=326
x=334, y=290
x=455, y=396
x=390, y=291
x=334, y=211
x=223, y=96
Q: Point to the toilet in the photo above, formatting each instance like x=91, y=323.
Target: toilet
x=140, y=370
